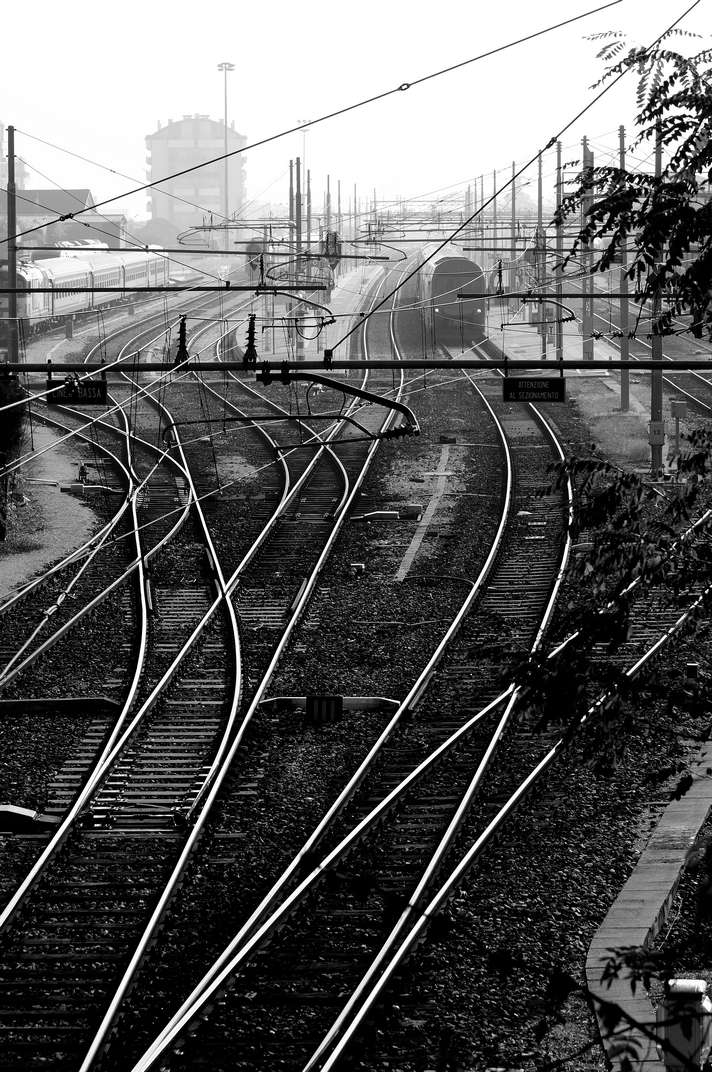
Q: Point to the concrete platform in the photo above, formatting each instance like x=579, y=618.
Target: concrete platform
x=641, y=909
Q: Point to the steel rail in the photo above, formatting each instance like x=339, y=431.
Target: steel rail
x=110, y=749
x=167, y=372
x=78, y=552
x=247, y=938
x=211, y=783
x=604, y=296
x=64, y=829
x=135, y=564
x=236, y=692
x=339, y=1028
x=416, y=934
x=307, y=881
x=305, y=592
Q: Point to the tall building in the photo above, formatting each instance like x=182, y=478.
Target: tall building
x=183, y=144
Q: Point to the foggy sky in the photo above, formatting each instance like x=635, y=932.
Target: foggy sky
x=96, y=78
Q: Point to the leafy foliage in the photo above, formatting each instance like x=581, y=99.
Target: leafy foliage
x=637, y=965
x=666, y=221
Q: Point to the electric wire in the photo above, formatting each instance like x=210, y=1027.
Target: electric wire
x=403, y=87
x=516, y=174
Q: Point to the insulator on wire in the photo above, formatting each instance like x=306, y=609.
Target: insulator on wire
x=249, y=357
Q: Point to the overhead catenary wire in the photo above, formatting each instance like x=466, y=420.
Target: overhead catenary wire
x=403, y=87
x=140, y=246
x=123, y=175
x=516, y=174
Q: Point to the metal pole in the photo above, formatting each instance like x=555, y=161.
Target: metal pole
x=513, y=234
x=355, y=214
x=657, y=428
x=559, y=257
x=227, y=207
x=309, y=214
x=298, y=211
x=625, y=342
x=494, y=212
x=298, y=207
x=225, y=67
x=586, y=256
x=13, y=348
x=328, y=203
x=291, y=197
x=541, y=258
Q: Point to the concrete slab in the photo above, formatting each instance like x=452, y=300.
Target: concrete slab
x=640, y=911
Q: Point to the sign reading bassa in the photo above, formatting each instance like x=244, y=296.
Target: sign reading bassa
x=534, y=389
x=73, y=393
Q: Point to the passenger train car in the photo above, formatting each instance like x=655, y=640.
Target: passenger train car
x=70, y=279
x=454, y=321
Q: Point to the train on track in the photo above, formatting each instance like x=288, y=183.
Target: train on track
x=453, y=321
x=57, y=289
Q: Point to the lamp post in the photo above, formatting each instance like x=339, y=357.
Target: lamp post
x=225, y=67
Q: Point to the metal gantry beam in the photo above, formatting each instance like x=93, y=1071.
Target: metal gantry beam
x=276, y=368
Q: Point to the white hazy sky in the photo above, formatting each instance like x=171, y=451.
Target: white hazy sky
x=95, y=78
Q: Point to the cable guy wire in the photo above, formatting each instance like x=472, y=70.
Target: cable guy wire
x=552, y=141
x=322, y=119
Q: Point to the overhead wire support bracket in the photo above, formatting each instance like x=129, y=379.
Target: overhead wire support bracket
x=287, y=375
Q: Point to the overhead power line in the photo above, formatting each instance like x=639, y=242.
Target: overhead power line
x=515, y=175
x=403, y=87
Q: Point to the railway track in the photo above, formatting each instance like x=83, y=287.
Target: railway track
x=360, y=872
x=207, y=1027
x=128, y=801
x=261, y=1042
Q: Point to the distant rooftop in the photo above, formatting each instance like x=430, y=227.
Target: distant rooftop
x=54, y=202
x=174, y=126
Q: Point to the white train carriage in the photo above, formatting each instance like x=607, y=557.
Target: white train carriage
x=158, y=269
x=105, y=270
x=137, y=269
x=70, y=280
x=34, y=308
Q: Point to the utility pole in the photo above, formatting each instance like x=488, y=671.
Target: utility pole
x=586, y=257
x=298, y=212
x=338, y=205
x=657, y=427
x=225, y=67
x=12, y=332
x=482, y=201
x=309, y=216
x=625, y=342
x=291, y=198
x=513, y=237
x=355, y=217
x=559, y=257
x=298, y=209
x=541, y=260
x=494, y=213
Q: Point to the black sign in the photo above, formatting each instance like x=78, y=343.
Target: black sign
x=76, y=393
x=534, y=389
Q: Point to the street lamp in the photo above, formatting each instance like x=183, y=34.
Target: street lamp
x=225, y=67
